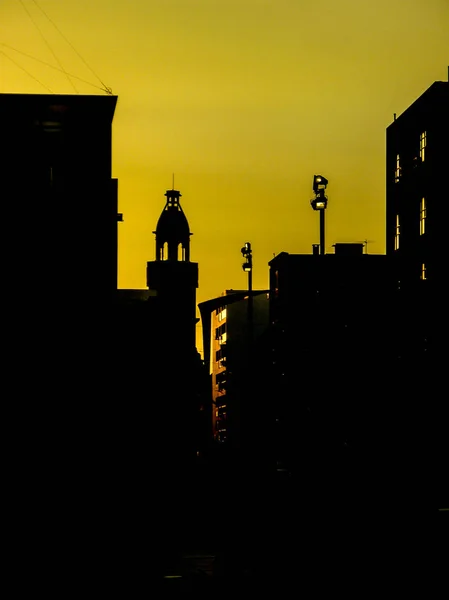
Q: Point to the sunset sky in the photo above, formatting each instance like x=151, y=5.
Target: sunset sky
x=243, y=100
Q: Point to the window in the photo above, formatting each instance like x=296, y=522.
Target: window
x=397, y=172
x=423, y=271
x=422, y=217
x=220, y=331
x=422, y=145
x=397, y=234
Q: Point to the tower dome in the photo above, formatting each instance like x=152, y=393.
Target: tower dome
x=172, y=230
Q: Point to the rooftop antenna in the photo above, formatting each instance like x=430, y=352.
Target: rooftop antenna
x=365, y=244
x=173, y=182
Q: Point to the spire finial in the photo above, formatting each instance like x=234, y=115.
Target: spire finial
x=173, y=182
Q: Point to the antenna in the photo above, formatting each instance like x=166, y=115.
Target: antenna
x=173, y=182
x=365, y=244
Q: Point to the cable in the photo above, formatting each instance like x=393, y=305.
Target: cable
x=48, y=45
x=23, y=69
x=105, y=87
x=51, y=66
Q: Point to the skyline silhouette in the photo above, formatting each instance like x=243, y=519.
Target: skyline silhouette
x=243, y=105
x=304, y=444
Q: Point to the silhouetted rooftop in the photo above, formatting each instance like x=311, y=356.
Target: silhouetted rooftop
x=90, y=106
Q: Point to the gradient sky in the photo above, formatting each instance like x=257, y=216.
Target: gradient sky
x=243, y=100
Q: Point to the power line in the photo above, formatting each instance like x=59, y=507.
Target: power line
x=48, y=45
x=23, y=69
x=105, y=87
x=48, y=65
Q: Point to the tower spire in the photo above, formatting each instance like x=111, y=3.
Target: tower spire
x=172, y=231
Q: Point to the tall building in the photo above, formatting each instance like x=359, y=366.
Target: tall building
x=417, y=196
x=331, y=350
x=172, y=276
x=59, y=195
x=417, y=214
x=232, y=355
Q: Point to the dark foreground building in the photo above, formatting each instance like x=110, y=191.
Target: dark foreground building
x=56, y=180
x=331, y=351
x=416, y=221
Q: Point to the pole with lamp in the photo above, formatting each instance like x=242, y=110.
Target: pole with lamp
x=248, y=268
x=320, y=203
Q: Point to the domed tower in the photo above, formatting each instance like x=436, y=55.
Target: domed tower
x=172, y=277
x=173, y=231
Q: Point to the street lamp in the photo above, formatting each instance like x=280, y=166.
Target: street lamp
x=320, y=203
x=248, y=268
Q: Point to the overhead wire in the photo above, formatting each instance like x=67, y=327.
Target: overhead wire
x=27, y=72
x=105, y=87
x=47, y=44
x=47, y=64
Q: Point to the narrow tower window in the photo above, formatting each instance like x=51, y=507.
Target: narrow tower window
x=422, y=145
x=422, y=217
x=423, y=271
x=397, y=172
x=397, y=234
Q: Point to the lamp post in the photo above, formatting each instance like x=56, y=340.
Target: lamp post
x=320, y=203
x=248, y=267
x=247, y=379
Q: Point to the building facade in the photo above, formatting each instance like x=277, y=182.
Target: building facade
x=331, y=355
x=55, y=172
x=234, y=347
x=417, y=161
x=417, y=164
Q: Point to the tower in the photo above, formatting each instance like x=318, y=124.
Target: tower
x=172, y=276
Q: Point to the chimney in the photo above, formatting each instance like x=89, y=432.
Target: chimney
x=315, y=249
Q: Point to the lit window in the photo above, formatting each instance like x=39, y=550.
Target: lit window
x=423, y=271
x=422, y=217
x=397, y=172
x=422, y=145
x=397, y=234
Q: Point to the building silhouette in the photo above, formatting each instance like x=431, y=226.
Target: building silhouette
x=416, y=216
x=155, y=333
x=55, y=168
x=331, y=358
x=236, y=400
x=417, y=159
x=172, y=276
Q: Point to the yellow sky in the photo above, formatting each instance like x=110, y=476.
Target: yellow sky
x=244, y=100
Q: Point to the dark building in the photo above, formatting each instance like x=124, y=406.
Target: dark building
x=417, y=197
x=166, y=386
x=331, y=358
x=55, y=173
x=416, y=220
x=155, y=329
x=172, y=277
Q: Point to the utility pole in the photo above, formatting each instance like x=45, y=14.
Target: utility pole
x=248, y=267
x=320, y=203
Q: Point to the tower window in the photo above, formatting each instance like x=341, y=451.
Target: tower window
x=397, y=172
x=422, y=217
x=397, y=234
x=423, y=271
x=422, y=145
